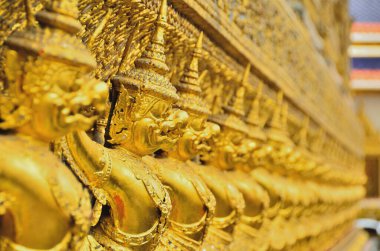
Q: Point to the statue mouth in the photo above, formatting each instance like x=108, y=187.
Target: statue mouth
x=240, y=155
x=169, y=133
x=75, y=117
x=200, y=144
x=80, y=110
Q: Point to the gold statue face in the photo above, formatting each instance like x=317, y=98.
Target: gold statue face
x=259, y=155
x=144, y=123
x=206, y=152
x=191, y=140
x=280, y=152
x=231, y=149
x=45, y=97
x=160, y=128
x=195, y=138
x=245, y=151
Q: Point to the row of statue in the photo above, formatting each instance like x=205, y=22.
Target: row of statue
x=159, y=171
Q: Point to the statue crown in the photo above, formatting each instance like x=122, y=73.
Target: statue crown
x=60, y=16
x=276, y=118
x=189, y=86
x=234, y=110
x=149, y=73
x=40, y=43
x=278, y=125
x=301, y=137
x=236, y=103
x=253, y=117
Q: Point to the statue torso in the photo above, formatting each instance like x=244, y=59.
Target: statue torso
x=224, y=192
x=45, y=206
x=186, y=190
x=229, y=206
x=251, y=230
x=138, y=202
x=255, y=196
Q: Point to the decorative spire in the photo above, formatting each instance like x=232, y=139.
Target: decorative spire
x=276, y=118
x=234, y=111
x=236, y=104
x=277, y=127
x=150, y=70
x=301, y=137
x=189, y=81
x=253, y=117
x=284, y=116
x=153, y=58
x=319, y=141
x=245, y=77
x=189, y=87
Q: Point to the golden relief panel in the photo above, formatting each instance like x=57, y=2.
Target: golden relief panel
x=125, y=127
x=268, y=34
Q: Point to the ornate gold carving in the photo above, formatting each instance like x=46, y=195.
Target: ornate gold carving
x=187, y=228
x=141, y=123
x=189, y=154
x=46, y=85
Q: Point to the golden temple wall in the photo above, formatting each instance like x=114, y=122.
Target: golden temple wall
x=227, y=125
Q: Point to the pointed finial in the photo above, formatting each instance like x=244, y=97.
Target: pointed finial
x=202, y=76
x=189, y=86
x=234, y=110
x=253, y=118
x=277, y=130
x=236, y=103
x=199, y=41
x=284, y=116
x=153, y=58
x=276, y=118
x=245, y=77
x=189, y=82
x=254, y=114
x=319, y=141
x=149, y=74
x=162, y=15
x=197, y=53
x=301, y=138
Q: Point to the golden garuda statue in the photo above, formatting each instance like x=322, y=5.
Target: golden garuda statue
x=187, y=228
x=44, y=95
x=188, y=125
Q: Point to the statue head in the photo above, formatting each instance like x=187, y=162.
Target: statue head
x=277, y=135
x=143, y=119
x=47, y=83
x=303, y=160
x=256, y=132
x=232, y=148
x=198, y=132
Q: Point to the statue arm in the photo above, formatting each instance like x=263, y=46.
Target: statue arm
x=87, y=158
